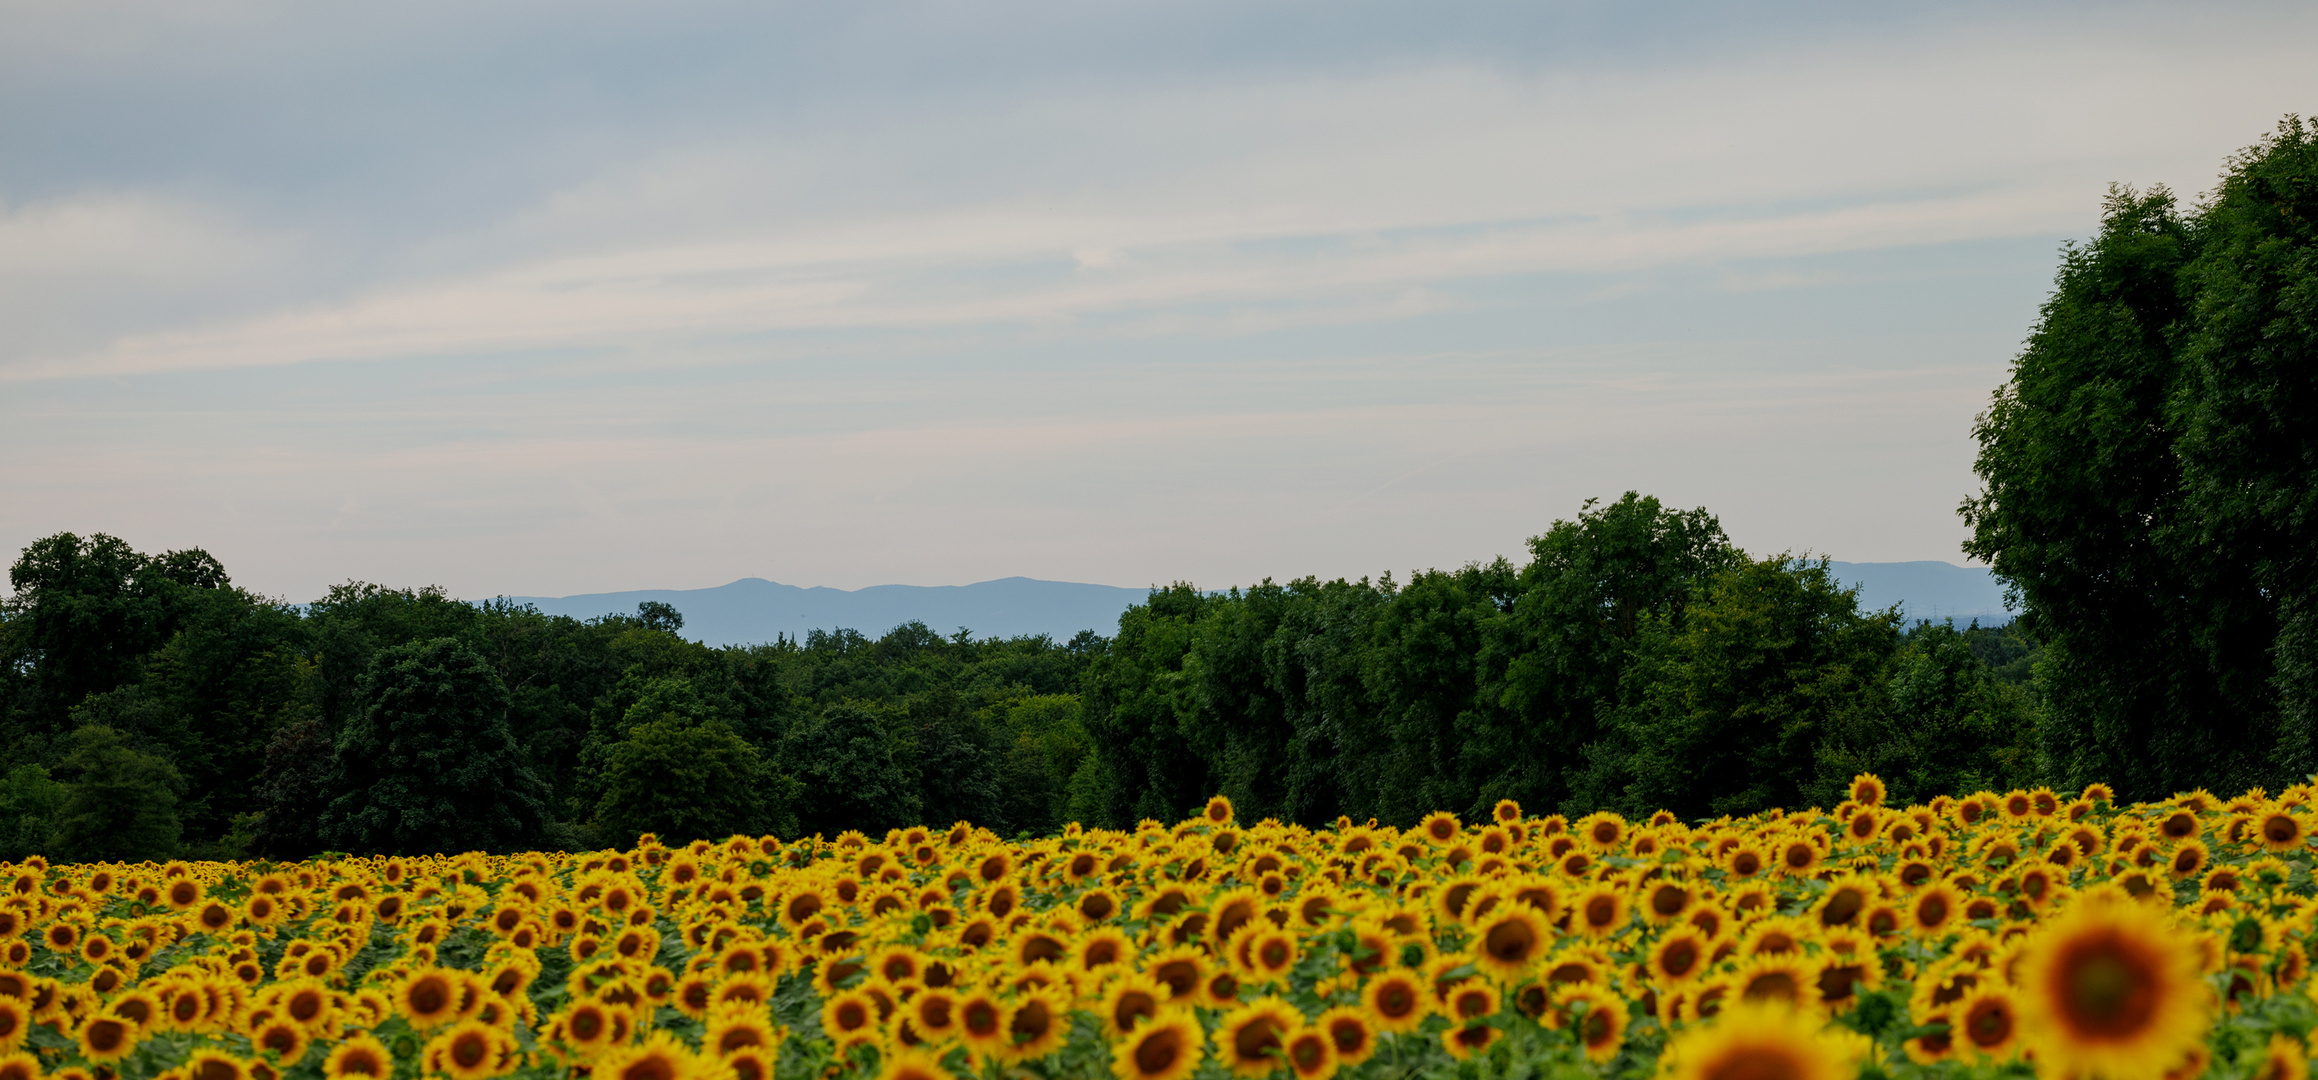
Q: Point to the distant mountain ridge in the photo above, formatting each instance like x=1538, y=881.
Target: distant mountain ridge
x=754, y=610
x=1927, y=590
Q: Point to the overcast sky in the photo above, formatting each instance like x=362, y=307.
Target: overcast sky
x=547, y=298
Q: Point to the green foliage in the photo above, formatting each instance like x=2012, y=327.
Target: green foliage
x=858, y=767
x=1952, y=724
x=1733, y=710
x=2150, y=478
x=691, y=779
x=120, y=804
x=29, y=802
x=1046, y=748
x=429, y=763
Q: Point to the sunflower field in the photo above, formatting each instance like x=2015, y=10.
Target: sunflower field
x=2021, y=934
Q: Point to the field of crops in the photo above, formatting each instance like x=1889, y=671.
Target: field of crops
x=1999, y=933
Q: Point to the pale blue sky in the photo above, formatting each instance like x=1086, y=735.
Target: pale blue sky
x=555, y=298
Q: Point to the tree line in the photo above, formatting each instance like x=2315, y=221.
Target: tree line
x=154, y=708
x=149, y=707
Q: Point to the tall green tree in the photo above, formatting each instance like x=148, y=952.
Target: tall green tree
x=1734, y=707
x=428, y=763
x=2148, y=485
x=87, y=612
x=691, y=779
x=858, y=767
x=120, y=804
x=29, y=803
x=1553, y=668
x=1948, y=725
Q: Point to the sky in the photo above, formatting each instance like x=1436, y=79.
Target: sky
x=551, y=298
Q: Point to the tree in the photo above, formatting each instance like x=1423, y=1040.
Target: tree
x=1949, y=726
x=2249, y=443
x=857, y=766
x=1554, y=667
x=120, y=804
x=2150, y=486
x=29, y=803
x=687, y=780
x=86, y=612
x=428, y=763
x=295, y=790
x=1045, y=745
x=1730, y=711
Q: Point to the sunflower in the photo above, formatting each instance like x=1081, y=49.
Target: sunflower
x=1462, y=1043
x=1266, y=955
x=1596, y=1017
x=1168, y=1046
x=15, y=1022
x=1037, y=1025
x=1310, y=1053
x=1181, y=969
x=1353, y=1031
x=470, y=1050
x=284, y=1038
x=1846, y=900
x=927, y=1016
x=1789, y=980
x=215, y=1065
x=2108, y=989
x=1397, y=1000
x=1744, y=861
x=1220, y=989
x=1600, y=910
x=1101, y=949
x=1937, y=1042
x=360, y=1057
x=2280, y=830
x=1602, y=831
x=19, y=1066
x=1252, y=1036
x=1867, y=789
x=1755, y=1042
x=1510, y=940
x=428, y=998
x=1775, y=935
x=1679, y=956
x=1935, y=910
x=849, y=1017
x=1987, y=1024
x=1540, y=893
x=61, y=937
x=108, y=1038
x=659, y=1057
x=182, y=894
x=733, y=1030
x=1471, y=1000
x=1130, y=1001
x=590, y=1027
x=1218, y=811
x=754, y=989
x=1799, y=856
x=2283, y=1059
x=693, y=994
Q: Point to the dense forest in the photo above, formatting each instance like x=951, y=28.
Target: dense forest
x=154, y=708
x=2148, y=495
